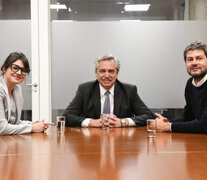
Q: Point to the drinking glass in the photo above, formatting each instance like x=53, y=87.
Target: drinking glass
x=105, y=121
x=60, y=123
x=151, y=128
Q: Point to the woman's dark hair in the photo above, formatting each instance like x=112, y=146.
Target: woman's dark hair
x=12, y=58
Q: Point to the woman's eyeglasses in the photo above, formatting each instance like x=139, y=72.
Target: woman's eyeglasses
x=16, y=68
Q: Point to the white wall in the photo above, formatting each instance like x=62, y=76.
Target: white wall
x=15, y=36
x=151, y=55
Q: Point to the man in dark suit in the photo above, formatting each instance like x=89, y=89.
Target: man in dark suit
x=125, y=106
x=194, y=117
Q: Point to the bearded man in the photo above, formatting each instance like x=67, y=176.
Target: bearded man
x=194, y=117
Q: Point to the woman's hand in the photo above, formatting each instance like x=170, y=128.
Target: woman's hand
x=40, y=126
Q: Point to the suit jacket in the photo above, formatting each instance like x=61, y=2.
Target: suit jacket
x=86, y=104
x=19, y=127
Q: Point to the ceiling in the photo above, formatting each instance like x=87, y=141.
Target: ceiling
x=98, y=10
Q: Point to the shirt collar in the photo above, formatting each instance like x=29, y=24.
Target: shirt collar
x=102, y=90
x=200, y=82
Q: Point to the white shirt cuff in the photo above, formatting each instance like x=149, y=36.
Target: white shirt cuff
x=170, y=127
x=85, y=122
x=131, y=122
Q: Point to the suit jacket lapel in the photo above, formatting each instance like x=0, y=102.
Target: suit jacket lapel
x=7, y=95
x=96, y=99
x=18, y=101
x=9, y=107
x=118, y=94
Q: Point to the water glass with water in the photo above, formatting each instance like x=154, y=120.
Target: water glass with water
x=151, y=128
x=105, y=121
x=60, y=123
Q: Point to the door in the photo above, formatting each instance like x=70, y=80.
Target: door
x=41, y=60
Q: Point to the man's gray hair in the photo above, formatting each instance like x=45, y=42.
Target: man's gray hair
x=107, y=57
x=195, y=46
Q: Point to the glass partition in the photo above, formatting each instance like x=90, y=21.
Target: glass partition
x=15, y=36
x=116, y=10
x=149, y=45
x=15, y=9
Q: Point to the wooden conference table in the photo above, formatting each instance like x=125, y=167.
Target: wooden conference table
x=120, y=153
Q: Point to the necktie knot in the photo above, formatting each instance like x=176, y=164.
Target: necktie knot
x=107, y=93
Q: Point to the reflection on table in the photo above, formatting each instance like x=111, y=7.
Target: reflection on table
x=92, y=153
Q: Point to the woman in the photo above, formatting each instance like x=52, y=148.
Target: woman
x=14, y=70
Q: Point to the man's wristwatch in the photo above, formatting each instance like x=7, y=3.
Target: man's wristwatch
x=123, y=122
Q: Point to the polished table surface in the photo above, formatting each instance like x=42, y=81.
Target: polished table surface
x=120, y=153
